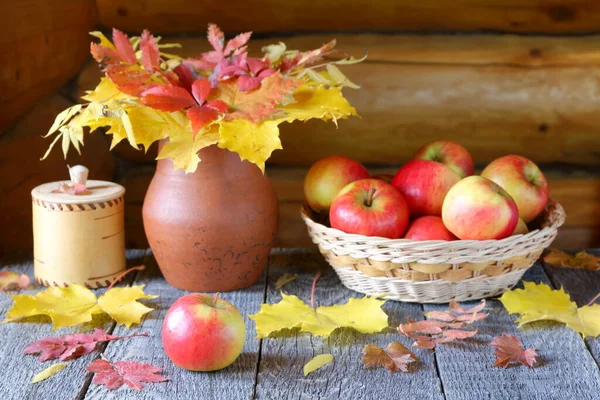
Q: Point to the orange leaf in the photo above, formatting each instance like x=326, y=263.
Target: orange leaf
x=510, y=350
x=167, y=98
x=395, y=357
x=130, y=79
x=200, y=116
x=104, y=55
x=581, y=260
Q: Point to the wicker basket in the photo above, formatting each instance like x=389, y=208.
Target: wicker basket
x=433, y=271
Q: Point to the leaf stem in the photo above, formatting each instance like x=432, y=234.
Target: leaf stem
x=593, y=300
x=312, y=292
x=138, y=268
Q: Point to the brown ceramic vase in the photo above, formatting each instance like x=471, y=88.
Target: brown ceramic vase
x=211, y=230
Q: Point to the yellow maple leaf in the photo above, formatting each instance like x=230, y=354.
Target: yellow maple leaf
x=122, y=305
x=77, y=304
x=106, y=90
x=183, y=147
x=537, y=302
x=364, y=315
x=253, y=142
x=318, y=101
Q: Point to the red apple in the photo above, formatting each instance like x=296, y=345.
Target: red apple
x=523, y=180
x=203, y=332
x=452, y=154
x=521, y=228
x=424, y=185
x=429, y=227
x=478, y=209
x=327, y=177
x=370, y=207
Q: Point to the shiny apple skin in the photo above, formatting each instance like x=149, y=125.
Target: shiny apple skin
x=429, y=227
x=452, y=154
x=386, y=216
x=424, y=185
x=201, y=337
x=327, y=177
x=523, y=180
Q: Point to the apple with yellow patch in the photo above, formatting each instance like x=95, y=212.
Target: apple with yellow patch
x=478, y=209
x=203, y=332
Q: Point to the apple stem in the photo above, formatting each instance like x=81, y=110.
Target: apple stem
x=593, y=300
x=138, y=268
x=312, y=292
x=215, y=298
x=370, y=198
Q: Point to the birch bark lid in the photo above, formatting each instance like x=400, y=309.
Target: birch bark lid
x=97, y=191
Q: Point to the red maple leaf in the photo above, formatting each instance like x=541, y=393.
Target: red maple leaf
x=510, y=350
x=130, y=373
x=68, y=347
x=249, y=70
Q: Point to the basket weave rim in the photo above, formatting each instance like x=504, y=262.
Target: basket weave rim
x=553, y=208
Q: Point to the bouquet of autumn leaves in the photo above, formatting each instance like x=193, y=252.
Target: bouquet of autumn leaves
x=223, y=97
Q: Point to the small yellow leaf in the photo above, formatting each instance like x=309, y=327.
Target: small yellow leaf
x=317, y=362
x=284, y=280
x=48, y=372
x=68, y=306
x=274, y=51
x=122, y=305
x=103, y=40
x=339, y=77
x=318, y=102
x=63, y=117
x=253, y=142
x=106, y=90
x=364, y=315
x=538, y=302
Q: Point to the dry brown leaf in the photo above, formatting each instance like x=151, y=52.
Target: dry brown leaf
x=395, y=357
x=581, y=260
x=509, y=350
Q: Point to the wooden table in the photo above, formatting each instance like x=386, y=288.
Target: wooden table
x=272, y=368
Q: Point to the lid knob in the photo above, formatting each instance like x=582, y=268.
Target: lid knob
x=79, y=174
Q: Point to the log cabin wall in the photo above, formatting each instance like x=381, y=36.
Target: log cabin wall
x=512, y=76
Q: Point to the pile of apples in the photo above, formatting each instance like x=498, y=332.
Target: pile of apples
x=435, y=196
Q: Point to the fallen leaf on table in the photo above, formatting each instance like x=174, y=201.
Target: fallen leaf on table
x=77, y=304
x=10, y=280
x=443, y=326
x=395, y=357
x=130, y=373
x=364, y=315
x=581, y=260
x=284, y=280
x=537, y=302
x=71, y=346
x=48, y=372
x=317, y=362
x=71, y=188
x=510, y=350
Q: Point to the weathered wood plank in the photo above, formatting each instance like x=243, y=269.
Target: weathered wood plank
x=17, y=369
x=566, y=368
x=282, y=359
x=582, y=286
x=468, y=89
x=358, y=15
x=45, y=44
x=234, y=382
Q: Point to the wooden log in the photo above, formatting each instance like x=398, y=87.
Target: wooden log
x=44, y=44
x=21, y=148
x=358, y=15
x=494, y=94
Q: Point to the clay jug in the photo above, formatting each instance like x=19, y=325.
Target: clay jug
x=211, y=230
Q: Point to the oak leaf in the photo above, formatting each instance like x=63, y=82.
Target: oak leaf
x=537, y=302
x=581, y=260
x=77, y=304
x=364, y=315
x=70, y=346
x=48, y=372
x=130, y=373
x=10, y=280
x=317, y=362
x=510, y=350
x=395, y=357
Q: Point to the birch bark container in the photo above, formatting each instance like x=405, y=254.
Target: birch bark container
x=78, y=238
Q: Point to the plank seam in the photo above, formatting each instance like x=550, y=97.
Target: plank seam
x=435, y=364
x=260, y=341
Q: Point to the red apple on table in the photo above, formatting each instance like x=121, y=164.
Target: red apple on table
x=523, y=180
x=203, y=332
x=478, y=209
x=370, y=207
x=429, y=227
x=327, y=177
x=452, y=154
x=424, y=185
